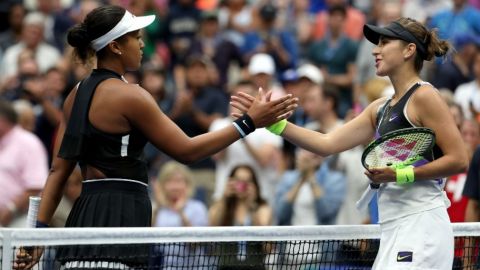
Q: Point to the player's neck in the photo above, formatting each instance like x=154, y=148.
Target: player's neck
x=402, y=82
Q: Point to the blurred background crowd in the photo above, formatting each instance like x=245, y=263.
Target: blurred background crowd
x=199, y=52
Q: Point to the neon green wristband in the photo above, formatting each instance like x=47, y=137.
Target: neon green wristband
x=405, y=175
x=278, y=127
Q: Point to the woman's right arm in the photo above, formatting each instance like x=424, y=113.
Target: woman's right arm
x=59, y=172
x=143, y=112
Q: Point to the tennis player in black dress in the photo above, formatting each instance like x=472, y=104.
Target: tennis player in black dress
x=106, y=123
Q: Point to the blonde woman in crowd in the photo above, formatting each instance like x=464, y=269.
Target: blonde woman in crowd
x=173, y=196
x=175, y=207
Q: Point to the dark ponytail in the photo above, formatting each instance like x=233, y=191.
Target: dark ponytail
x=79, y=39
x=433, y=44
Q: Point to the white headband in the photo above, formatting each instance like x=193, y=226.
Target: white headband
x=127, y=24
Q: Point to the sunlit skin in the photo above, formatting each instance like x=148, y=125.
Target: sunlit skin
x=133, y=43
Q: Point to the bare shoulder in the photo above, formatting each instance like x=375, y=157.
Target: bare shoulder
x=427, y=105
x=372, y=108
x=427, y=93
x=127, y=94
x=375, y=105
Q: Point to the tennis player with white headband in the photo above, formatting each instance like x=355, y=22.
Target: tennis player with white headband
x=416, y=230
x=106, y=124
x=127, y=24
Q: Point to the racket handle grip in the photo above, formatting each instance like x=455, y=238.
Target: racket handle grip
x=367, y=196
x=34, y=204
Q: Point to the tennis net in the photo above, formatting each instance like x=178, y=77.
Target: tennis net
x=269, y=248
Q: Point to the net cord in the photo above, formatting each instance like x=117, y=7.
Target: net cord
x=77, y=236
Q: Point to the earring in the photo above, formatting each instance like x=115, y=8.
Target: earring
x=119, y=53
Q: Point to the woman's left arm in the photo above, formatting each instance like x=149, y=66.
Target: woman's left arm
x=429, y=110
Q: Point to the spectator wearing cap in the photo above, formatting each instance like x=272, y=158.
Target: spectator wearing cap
x=289, y=79
x=467, y=95
x=194, y=110
x=352, y=28
x=309, y=74
x=290, y=82
x=213, y=44
x=306, y=76
x=335, y=54
x=458, y=68
x=32, y=38
x=460, y=19
x=261, y=70
x=280, y=45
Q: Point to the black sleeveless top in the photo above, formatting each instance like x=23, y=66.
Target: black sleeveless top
x=115, y=155
x=391, y=118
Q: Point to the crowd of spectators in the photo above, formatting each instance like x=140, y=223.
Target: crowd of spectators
x=199, y=52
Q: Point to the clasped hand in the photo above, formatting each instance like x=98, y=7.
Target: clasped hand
x=262, y=109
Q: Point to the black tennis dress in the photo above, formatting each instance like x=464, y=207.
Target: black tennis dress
x=393, y=117
x=119, y=200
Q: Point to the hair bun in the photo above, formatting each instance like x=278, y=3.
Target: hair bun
x=78, y=36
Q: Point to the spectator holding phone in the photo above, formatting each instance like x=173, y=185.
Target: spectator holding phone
x=241, y=205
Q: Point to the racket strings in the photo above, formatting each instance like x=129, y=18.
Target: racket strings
x=399, y=149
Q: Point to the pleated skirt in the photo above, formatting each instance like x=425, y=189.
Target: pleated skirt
x=109, y=203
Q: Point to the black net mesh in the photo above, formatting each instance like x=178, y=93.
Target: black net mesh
x=352, y=254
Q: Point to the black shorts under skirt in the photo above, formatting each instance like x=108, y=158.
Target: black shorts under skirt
x=110, y=203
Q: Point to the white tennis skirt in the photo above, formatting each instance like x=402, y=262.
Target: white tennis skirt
x=417, y=242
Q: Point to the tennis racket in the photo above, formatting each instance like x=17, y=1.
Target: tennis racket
x=396, y=149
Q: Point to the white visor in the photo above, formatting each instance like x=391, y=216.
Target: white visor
x=127, y=24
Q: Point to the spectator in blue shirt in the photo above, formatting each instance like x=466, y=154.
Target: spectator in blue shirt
x=461, y=19
x=312, y=193
x=281, y=45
